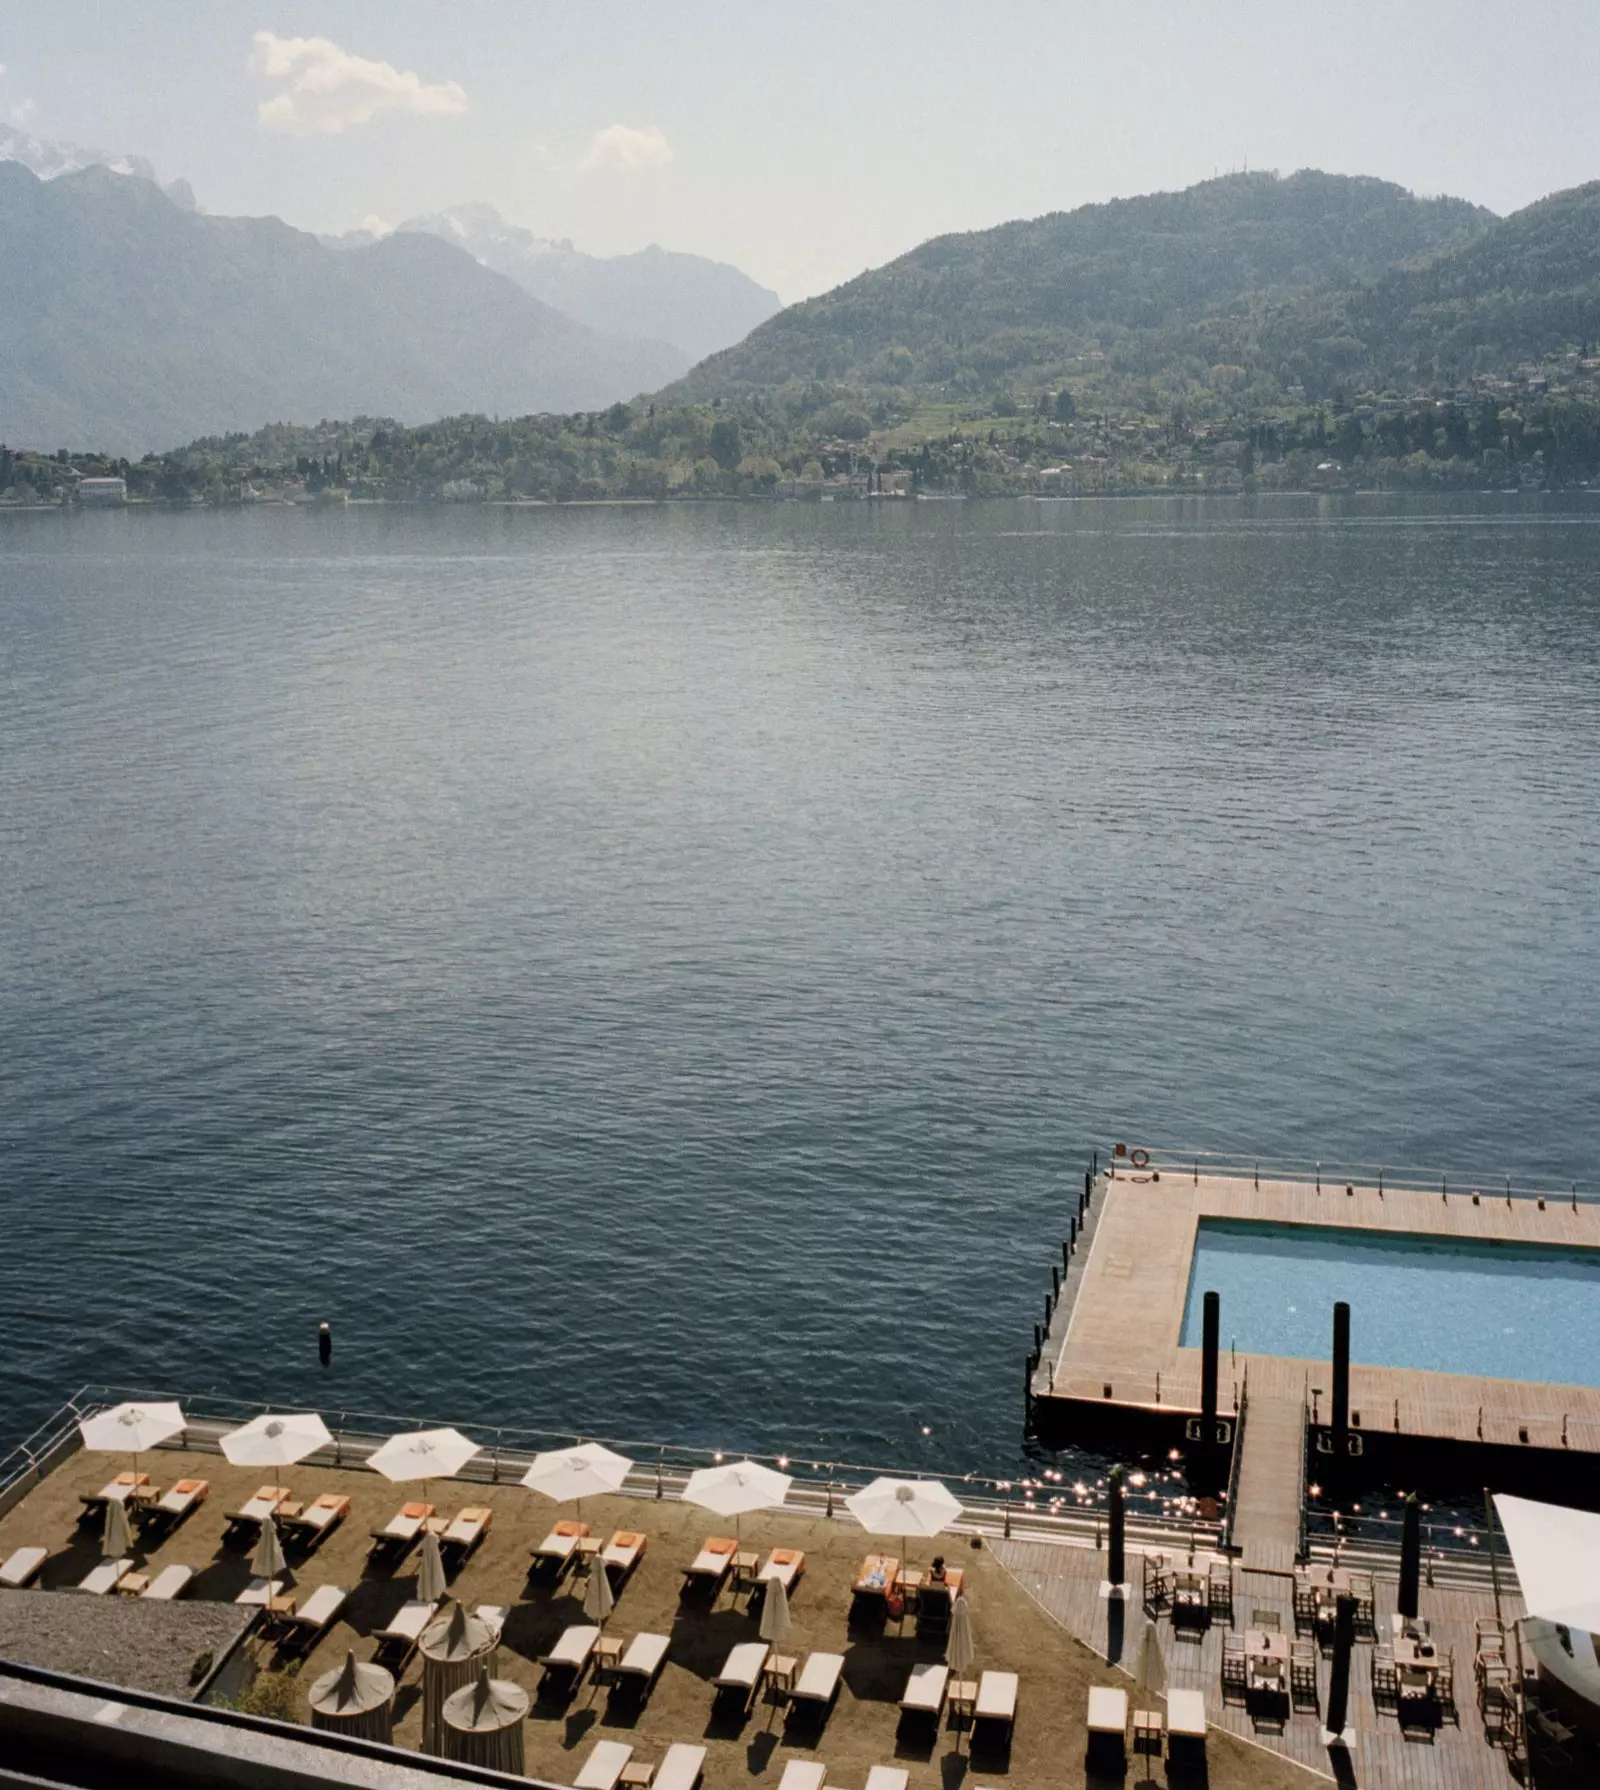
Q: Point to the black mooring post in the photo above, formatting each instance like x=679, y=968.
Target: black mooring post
x=1116, y=1538
x=1344, y=1636
x=1341, y=1377
x=1210, y=1341
x=1410, y=1558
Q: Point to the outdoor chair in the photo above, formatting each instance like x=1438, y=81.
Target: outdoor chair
x=740, y=1676
x=681, y=1769
x=887, y=1777
x=22, y=1567
x=1305, y=1608
x=105, y=1577
x=1385, y=1681
x=925, y=1690
x=168, y=1511
x=1235, y=1679
x=803, y=1774
x=130, y=1488
x=1444, y=1688
x=169, y=1584
x=1157, y=1582
x=603, y=1767
x=244, y=1524
x=817, y=1685
x=312, y=1620
x=996, y=1707
x=398, y=1641
x=1303, y=1673
x=311, y=1526
x=785, y=1565
x=1270, y=1620
x=709, y=1569
x=262, y=1593
x=566, y=1662
x=640, y=1664
x=560, y=1547
x=1361, y=1589
x=493, y=1616
x=1107, y=1725
x=401, y=1533
x=1219, y=1584
x=622, y=1554
x=1186, y=1727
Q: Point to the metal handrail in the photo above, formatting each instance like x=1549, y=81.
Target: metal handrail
x=1333, y=1173
x=1236, y=1460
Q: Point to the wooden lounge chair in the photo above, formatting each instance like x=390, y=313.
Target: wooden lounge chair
x=493, y=1616
x=311, y=1526
x=560, y=1547
x=741, y=1673
x=105, y=1577
x=307, y=1625
x=996, y=1706
x=169, y=1584
x=925, y=1690
x=569, y=1659
x=623, y=1553
x=888, y=1777
x=401, y=1533
x=803, y=1774
x=22, y=1567
x=463, y=1533
x=603, y=1766
x=640, y=1666
x=168, y=1511
x=1107, y=1725
x=785, y=1565
x=399, y=1640
x=879, y=1575
x=1186, y=1726
x=132, y=1489
x=711, y=1566
x=681, y=1769
x=818, y=1684
x=262, y=1592
x=244, y=1524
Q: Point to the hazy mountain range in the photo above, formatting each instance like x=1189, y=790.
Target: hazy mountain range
x=128, y=322
x=48, y=157
x=697, y=305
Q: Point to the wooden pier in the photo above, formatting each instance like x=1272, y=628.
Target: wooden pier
x=1113, y=1346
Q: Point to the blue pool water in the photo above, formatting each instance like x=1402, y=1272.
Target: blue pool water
x=1516, y=1311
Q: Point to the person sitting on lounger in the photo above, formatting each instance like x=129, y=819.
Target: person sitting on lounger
x=936, y=1574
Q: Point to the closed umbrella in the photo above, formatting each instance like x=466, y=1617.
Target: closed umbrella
x=431, y=1581
x=598, y=1598
x=775, y=1613
x=960, y=1649
x=566, y=1475
x=424, y=1455
x=131, y=1426
x=904, y=1507
x=117, y=1538
x=735, y=1487
x=1150, y=1675
x=275, y=1441
x=268, y=1562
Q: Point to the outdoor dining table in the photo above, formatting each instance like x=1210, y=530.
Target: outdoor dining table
x=1267, y=1651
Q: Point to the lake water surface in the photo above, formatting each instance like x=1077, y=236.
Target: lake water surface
x=660, y=972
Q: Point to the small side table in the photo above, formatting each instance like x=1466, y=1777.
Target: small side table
x=962, y=1697
x=131, y=1584
x=780, y=1672
x=636, y=1774
x=607, y=1651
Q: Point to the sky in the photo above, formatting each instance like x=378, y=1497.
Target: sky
x=802, y=142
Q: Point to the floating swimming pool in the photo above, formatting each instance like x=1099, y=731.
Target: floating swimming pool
x=1513, y=1310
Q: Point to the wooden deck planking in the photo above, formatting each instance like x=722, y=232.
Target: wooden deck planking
x=1267, y=1520
x=1065, y=1582
x=1124, y=1321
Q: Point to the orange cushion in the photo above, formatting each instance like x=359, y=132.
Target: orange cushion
x=787, y=1556
x=719, y=1544
x=415, y=1510
x=627, y=1538
x=569, y=1527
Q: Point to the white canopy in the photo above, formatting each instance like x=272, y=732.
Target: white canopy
x=737, y=1486
x=131, y=1428
x=584, y=1471
x=274, y=1441
x=904, y=1507
x=423, y=1454
x=1556, y=1552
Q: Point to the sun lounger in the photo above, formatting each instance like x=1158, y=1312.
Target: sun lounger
x=682, y=1768
x=818, y=1683
x=603, y=1766
x=250, y=1515
x=741, y=1672
x=316, y=1521
x=888, y=1777
x=399, y=1640
x=168, y=1584
x=560, y=1547
x=127, y=1488
x=785, y=1565
x=641, y=1664
x=803, y=1774
x=261, y=1592
x=1186, y=1725
x=570, y=1656
x=878, y=1575
x=307, y=1625
x=623, y=1553
x=402, y=1531
x=925, y=1690
x=21, y=1567
x=465, y=1530
x=712, y=1564
x=1107, y=1724
x=186, y=1496
x=997, y=1700
x=105, y=1577
x=493, y=1616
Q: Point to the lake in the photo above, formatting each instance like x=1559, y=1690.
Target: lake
x=659, y=973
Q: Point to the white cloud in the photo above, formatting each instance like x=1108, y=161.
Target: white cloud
x=326, y=90
x=621, y=146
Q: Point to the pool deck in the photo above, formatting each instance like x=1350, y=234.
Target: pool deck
x=1114, y=1339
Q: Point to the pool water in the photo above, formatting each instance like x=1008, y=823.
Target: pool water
x=1514, y=1311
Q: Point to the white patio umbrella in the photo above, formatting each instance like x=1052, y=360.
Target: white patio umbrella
x=131, y=1426
x=1556, y=1552
x=1150, y=1674
x=775, y=1613
x=424, y=1455
x=432, y=1583
x=918, y=1508
x=275, y=1441
x=598, y=1598
x=566, y=1475
x=735, y=1487
x=268, y=1562
x=117, y=1537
